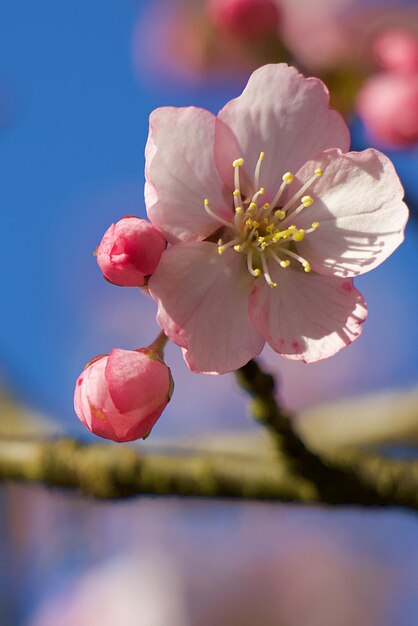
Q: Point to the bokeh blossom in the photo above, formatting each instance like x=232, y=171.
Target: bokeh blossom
x=269, y=219
x=120, y=396
x=388, y=107
x=244, y=18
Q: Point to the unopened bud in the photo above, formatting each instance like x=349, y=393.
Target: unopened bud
x=120, y=396
x=129, y=251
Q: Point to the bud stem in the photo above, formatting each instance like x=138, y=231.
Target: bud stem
x=159, y=343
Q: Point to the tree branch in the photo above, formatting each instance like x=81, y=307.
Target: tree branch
x=110, y=471
x=352, y=477
x=289, y=472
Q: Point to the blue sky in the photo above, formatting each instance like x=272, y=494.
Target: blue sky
x=72, y=162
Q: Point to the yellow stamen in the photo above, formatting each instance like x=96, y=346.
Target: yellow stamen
x=257, y=170
x=307, y=201
x=238, y=162
x=266, y=273
x=288, y=178
x=299, y=235
x=319, y=171
x=215, y=217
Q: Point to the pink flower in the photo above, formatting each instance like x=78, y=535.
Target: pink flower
x=120, y=396
x=244, y=18
x=269, y=219
x=388, y=106
x=396, y=50
x=129, y=251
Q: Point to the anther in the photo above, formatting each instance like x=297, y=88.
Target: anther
x=314, y=226
x=319, y=171
x=280, y=214
x=254, y=272
x=284, y=264
x=287, y=179
x=307, y=201
x=236, y=193
x=266, y=206
x=299, y=235
x=238, y=162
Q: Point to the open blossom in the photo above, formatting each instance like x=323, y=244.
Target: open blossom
x=129, y=251
x=269, y=219
x=120, y=396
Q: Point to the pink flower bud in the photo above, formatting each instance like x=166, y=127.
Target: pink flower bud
x=397, y=51
x=388, y=106
x=130, y=250
x=120, y=396
x=244, y=18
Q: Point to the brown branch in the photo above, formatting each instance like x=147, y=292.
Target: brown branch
x=111, y=471
x=352, y=477
x=292, y=472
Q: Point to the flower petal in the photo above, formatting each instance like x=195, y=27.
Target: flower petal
x=203, y=306
x=307, y=317
x=285, y=115
x=358, y=203
x=180, y=173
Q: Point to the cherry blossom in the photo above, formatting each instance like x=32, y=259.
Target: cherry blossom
x=269, y=218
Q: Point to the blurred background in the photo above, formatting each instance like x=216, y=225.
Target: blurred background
x=77, y=83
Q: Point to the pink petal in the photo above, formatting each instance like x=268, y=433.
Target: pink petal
x=180, y=173
x=286, y=116
x=203, y=306
x=307, y=317
x=358, y=203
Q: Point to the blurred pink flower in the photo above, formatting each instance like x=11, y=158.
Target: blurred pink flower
x=244, y=18
x=129, y=251
x=317, y=33
x=396, y=50
x=221, y=301
x=328, y=34
x=189, y=47
x=121, y=396
x=388, y=106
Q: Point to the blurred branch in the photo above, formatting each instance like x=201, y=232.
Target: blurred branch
x=288, y=470
x=108, y=471
x=334, y=483
x=351, y=477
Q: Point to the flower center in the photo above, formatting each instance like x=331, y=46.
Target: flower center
x=257, y=229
